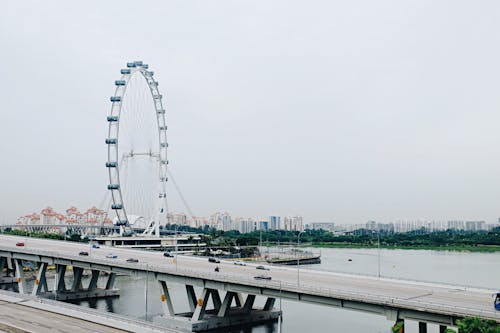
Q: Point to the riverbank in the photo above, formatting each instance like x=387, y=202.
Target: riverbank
x=455, y=248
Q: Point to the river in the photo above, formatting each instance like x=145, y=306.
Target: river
x=462, y=268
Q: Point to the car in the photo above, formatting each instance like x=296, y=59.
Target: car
x=95, y=246
x=262, y=277
x=83, y=253
x=19, y=244
x=262, y=267
x=214, y=259
x=132, y=260
x=112, y=256
x=168, y=254
x=240, y=263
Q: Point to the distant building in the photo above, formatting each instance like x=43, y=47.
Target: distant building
x=475, y=226
x=263, y=225
x=177, y=218
x=274, y=223
x=328, y=226
x=48, y=216
x=294, y=223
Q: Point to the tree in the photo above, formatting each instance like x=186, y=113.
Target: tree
x=476, y=325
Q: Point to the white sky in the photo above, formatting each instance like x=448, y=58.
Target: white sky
x=335, y=110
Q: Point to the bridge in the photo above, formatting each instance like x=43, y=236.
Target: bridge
x=396, y=299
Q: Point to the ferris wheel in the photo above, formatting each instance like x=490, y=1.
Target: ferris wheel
x=137, y=151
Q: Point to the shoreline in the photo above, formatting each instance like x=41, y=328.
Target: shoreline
x=453, y=248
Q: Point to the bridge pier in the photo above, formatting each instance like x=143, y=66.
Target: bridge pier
x=59, y=290
x=77, y=290
x=5, y=277
x=41, y=280
x=20, y=276
x=222, y=315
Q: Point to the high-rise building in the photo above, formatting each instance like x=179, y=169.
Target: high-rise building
x=294, y=223
x=274, y=223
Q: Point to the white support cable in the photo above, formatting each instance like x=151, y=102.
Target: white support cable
x=180, y=194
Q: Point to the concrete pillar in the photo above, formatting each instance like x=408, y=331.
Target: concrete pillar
x=422, y=327
x=166, y=301
x=11, y=267
x=201, y=305
x=59, y=283
x=40, y=281
x=226, y=304
x=111, y=281
x=2, y=265
x=238, y=299
x=77, y=279
x=249, y=303
x=191, y=297
x=19, y=275
x=442, y=328
x=93, y=280
x=216, y=299
x=269, y=304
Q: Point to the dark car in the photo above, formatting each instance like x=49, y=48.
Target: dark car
x=83, y=253
x=132, y=260
x=262, y=267
x=213, y=259
x=168, y=254
x=496, y=302
x=262, y=277
x=19, y=244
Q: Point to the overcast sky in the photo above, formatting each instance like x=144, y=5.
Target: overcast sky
x=338, y=111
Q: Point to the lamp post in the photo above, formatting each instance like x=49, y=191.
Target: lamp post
x=146, y=293
x=378, y=245
x=280, y=323
x=298, y=258
x=176, y=248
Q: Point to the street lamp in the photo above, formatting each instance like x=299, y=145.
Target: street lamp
x=298, y=258
x=176, y=248
x=378, y=242
x=146, y=293
x=280, y=323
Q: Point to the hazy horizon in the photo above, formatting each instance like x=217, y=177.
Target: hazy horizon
x=335, y=111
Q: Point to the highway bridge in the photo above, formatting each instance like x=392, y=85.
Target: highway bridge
x=396, y=299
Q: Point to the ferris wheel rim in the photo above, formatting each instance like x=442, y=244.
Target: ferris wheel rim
x=113, y=142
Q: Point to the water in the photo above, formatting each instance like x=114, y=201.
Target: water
x=471, y=269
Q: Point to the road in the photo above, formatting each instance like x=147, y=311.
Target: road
x=434, y=298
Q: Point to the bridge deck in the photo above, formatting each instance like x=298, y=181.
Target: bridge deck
x=438, y=303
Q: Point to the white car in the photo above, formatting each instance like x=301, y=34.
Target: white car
x=240, y=263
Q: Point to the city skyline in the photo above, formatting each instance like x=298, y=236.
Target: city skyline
x=226, y=222
x=271, y=108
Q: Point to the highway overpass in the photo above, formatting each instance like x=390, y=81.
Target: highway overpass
x=396, y=299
